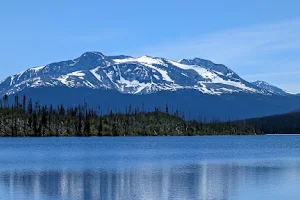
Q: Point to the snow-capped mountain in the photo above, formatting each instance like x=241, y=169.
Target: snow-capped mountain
x=272, y=89
x=202, y=87
x=128, y=75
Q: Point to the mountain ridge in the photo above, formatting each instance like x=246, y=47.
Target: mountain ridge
x=271, y=88
x=129, y=75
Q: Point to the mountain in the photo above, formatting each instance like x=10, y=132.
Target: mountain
x=297, y=110
x=128, y=75
x=197, y=87
x=271, y=88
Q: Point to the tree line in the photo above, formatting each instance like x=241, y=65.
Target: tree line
x=25, y=118
x=278, y=124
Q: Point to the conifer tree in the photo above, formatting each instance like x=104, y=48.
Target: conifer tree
x=5, y=100
x=24, y=104
x=100, y=126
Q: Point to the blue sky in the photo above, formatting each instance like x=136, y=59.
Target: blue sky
x=259, y=39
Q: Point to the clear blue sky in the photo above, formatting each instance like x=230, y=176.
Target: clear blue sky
x=259, y=39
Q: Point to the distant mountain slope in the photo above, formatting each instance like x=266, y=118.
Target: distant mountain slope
x=271, y=88
x=193, y=103
x=285, y=123
x=128, y=75
x=297, y=110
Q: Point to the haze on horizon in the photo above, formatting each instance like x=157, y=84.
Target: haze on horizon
x=258, y=40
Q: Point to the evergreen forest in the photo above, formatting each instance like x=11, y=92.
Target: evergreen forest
x=25, y=118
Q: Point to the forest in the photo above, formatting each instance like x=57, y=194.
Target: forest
x=288, y=123
x=25, y=118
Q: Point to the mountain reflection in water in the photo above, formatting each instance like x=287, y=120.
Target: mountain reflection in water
x=207, y=182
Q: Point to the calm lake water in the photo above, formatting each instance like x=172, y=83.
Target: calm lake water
x=204, y=168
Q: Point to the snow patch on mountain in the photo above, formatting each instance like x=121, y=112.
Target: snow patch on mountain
x=291, y=93
x=272, y=89
x=164, y=74
x=63, y=79
x=232, y=83
x=134, y=84
x=201, y=71
x=143, y=60
x=36, y=69
x=77, y=73
x=94, y=72
x=11, y=80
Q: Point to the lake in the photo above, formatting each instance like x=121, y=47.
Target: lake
x=133, y=168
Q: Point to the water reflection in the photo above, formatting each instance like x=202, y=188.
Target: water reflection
x=205, y=182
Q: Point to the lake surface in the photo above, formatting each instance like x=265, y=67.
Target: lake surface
x=204, y=168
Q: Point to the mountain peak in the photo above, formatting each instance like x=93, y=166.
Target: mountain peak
x=90, y=60
x=195, y=60
x=271, y=88
x=92, y=53
x=261, y=82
